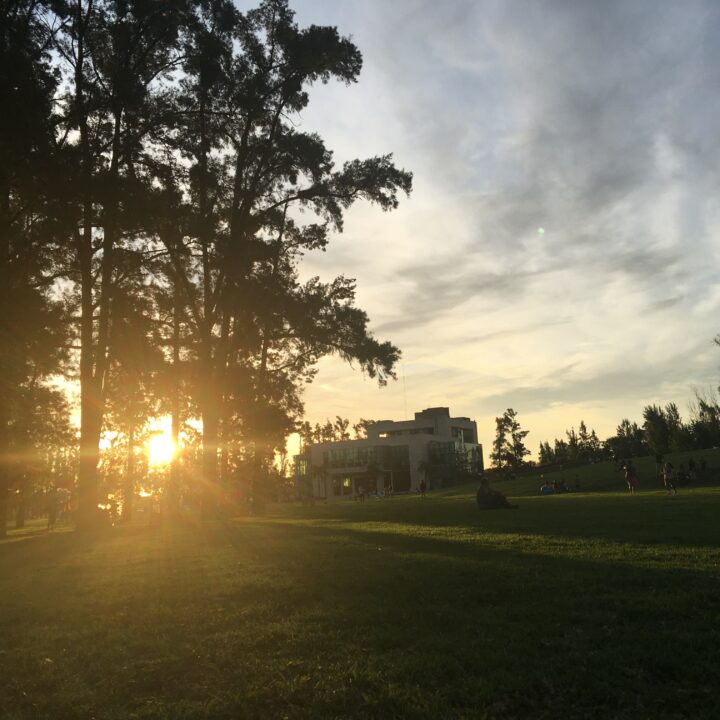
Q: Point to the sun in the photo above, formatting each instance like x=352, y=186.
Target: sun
x=161, y=449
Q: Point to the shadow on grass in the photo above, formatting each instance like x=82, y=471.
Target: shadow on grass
x=313, y=616
x=688, y=520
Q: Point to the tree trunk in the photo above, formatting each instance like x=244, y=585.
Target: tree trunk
x=90, y=427
x=90, y=402
x=258, y=486
x=211, y=490
x=93, y=351
x=174, y=484
x=5, y=306
x=21, y=509
x=3, y=504
x=129, y=482
x=210, y=410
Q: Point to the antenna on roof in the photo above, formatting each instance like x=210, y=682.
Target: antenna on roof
x=404, y=389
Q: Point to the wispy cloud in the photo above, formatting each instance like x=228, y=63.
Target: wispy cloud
x=564, y=231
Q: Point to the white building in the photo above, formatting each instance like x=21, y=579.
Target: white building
x=396, y=455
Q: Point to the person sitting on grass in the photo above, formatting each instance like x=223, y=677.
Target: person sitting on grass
x=546, y=489
x=489, y=499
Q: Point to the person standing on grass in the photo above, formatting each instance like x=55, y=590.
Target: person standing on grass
x=631, y=476
x=423, y=488
x=669, y=478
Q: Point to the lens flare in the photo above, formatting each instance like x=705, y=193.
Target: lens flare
x=161, y=449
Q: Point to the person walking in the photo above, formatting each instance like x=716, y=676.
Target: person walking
x=658, y=465
x=631, y=476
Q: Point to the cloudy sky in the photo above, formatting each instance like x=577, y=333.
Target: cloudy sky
x=559, y=253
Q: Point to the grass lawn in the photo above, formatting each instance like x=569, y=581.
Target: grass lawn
x=589, y=605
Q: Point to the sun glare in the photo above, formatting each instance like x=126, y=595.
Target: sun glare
x=161, y=449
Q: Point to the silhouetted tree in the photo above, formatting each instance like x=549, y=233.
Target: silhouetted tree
x=115, y=56
x=657, y=432
x=546, y=456
x=39, y=431
x=360, y=428
x=509, y=446
x=499, y=455
x=705, y=421
x=256, y=329
x=32, y=329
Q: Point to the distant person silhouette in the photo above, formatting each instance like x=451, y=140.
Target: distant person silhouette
x=423, y=488
x=631, y=476
x=669, y=478
x=658, y=465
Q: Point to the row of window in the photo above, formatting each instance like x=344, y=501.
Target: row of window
x=411, y=431
x=397, y=456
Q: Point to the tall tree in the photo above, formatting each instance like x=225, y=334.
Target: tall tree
x=247, y=167
x=31, y=327
x=517, y=449
x=40, y=430
x=135, y=363
x=499, y=455
x=115, y=55
x=657, y=432
x=573, y=444
x=360, y=428
x=705, y=420
x=509, y=445
x=546, y=456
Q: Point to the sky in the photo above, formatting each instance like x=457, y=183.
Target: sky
x=559, y=252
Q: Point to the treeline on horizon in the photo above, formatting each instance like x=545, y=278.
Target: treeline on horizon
x=332, y=431
x=663, y=431
x=157, y=197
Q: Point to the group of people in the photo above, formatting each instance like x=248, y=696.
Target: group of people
x=670, y=477
x=557, y=487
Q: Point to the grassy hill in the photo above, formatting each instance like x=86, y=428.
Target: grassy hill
x=587, y=605
x=604, y=477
